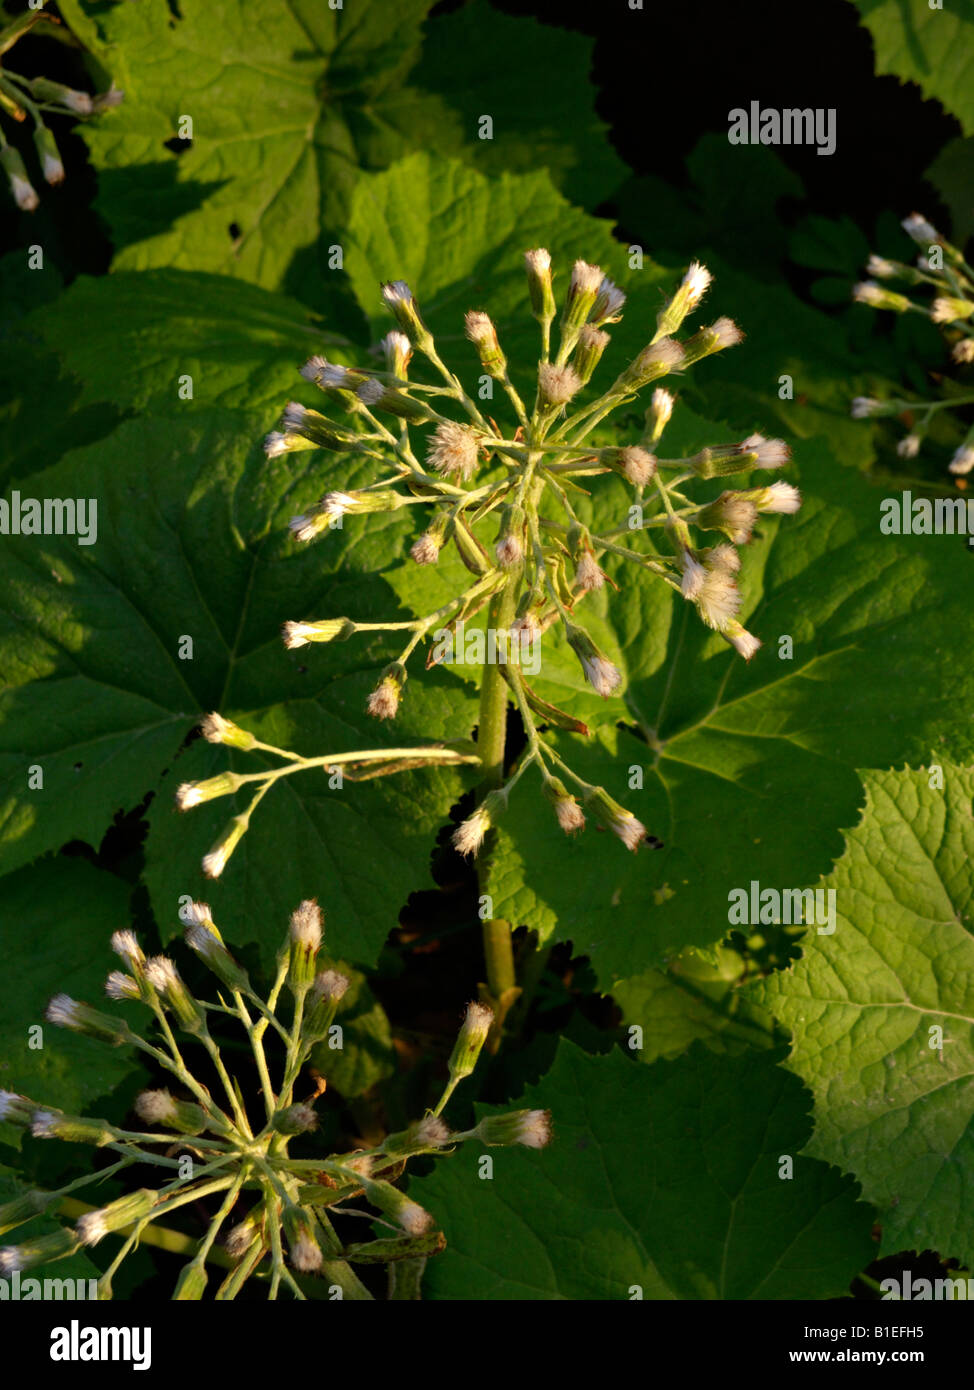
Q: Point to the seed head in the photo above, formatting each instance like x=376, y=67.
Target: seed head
x=453, y=450
x=558, y=384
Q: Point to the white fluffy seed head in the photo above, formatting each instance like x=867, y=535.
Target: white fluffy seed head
x=426, y=549
x=331, y=984
x=121, y=986
x=558, y=384
x=469, y=834
x=371, y=392
x=963, y=460
x=724, y=557
x=215, y=861
x=161, y=973
x=305, y=925
x=453, y=450
x=275, y=444
x=534, y=1129
x=509, y=551
x=880, y=267
x=91, y=1227
x=745, y=643
x=662, y=406
x=727, y=332
x=396, y=292
x=538, y=261
x=63, y=1011
x=638, y=466
x=771, y=453
x=586, y=278
x=413, y=1218
x=963, y=351
x=868, y=292
x=609, y=302
x=697, y=281
x=125, y=945
x=718, y=599
x=909, y=446
x=588, y=574
x=306, y=1255
x=863, y=406
x=383, y=703
x=313, y=368
x=570, y=815
x=693, y=575
x=781, y=497
x=919, y=228
x=432, y=1132
x=155, y=1107
x=293, y=417
x=188, y=795
x=603, y=676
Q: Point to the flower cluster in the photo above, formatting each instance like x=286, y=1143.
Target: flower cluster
x=942, y=272
x=210, y=1147
x=23, y=97
x=505, y=500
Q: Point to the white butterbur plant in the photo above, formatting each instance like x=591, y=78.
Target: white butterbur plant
x=505, y=499
x=271, y=1215
x=940, y=287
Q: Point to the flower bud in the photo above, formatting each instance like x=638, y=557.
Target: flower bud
x=722, y=333
x=693, y=287
x=608, y=303
x=42, y=1250
x=470, y=1041
x=327, y=630
x=23, y=191
x=409, y=1215
x=72, y=1129
x=203, y=938
x=66, y=1012
x=454, y=450
x=301, y=1239
x=603, y=676
x=920, y=230
x=426, y=549
x=532, y=1128
x=56, y=93
x=190, y=794
x=160, y=1108
x=191, y=1284
x=734, y=513
x=216, y=729
x=654, y=361
x=482, y=333
x=592, y=343
x=878, y=297
x=24, y=1207
x=537, y=263
x=48, y=154
x=582, y=293
x=946, y=309
x=397, y=351
x=963, y=459
x=588, y=574
x=963, y=351
x=469, y=834
x=621, y=822
x=215, y=860
x=557, y=385
x=165, y=979
x=93, y=1226
x=375, y=395
x=304, y=944
x=422, y=1135
x=632, y=463
x=321, y=1005
x=744, y=642
x=570, y=815
x=295, y=1119
x=17, y=1110
x=658, y=415
x=509, y=547
x=383, y=703
x=398, y=298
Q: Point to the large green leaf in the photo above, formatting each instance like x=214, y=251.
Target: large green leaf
x=288, y=107
x=932, y=46
x=57, y=920
x=193, y=544
x=458, y=238
x=747, y=769
x=864, y=1004
x=662, y=1182
x=136, y=339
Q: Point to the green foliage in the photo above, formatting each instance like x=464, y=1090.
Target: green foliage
x=864, y=1004
x=663, y=1177
x=933, y=47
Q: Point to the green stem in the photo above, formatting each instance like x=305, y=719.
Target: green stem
x=491, y=742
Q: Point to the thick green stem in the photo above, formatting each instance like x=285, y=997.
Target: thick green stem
x=491, y=740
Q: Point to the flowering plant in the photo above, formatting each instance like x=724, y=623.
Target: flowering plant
x=942, y=270
x=213, y=1148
